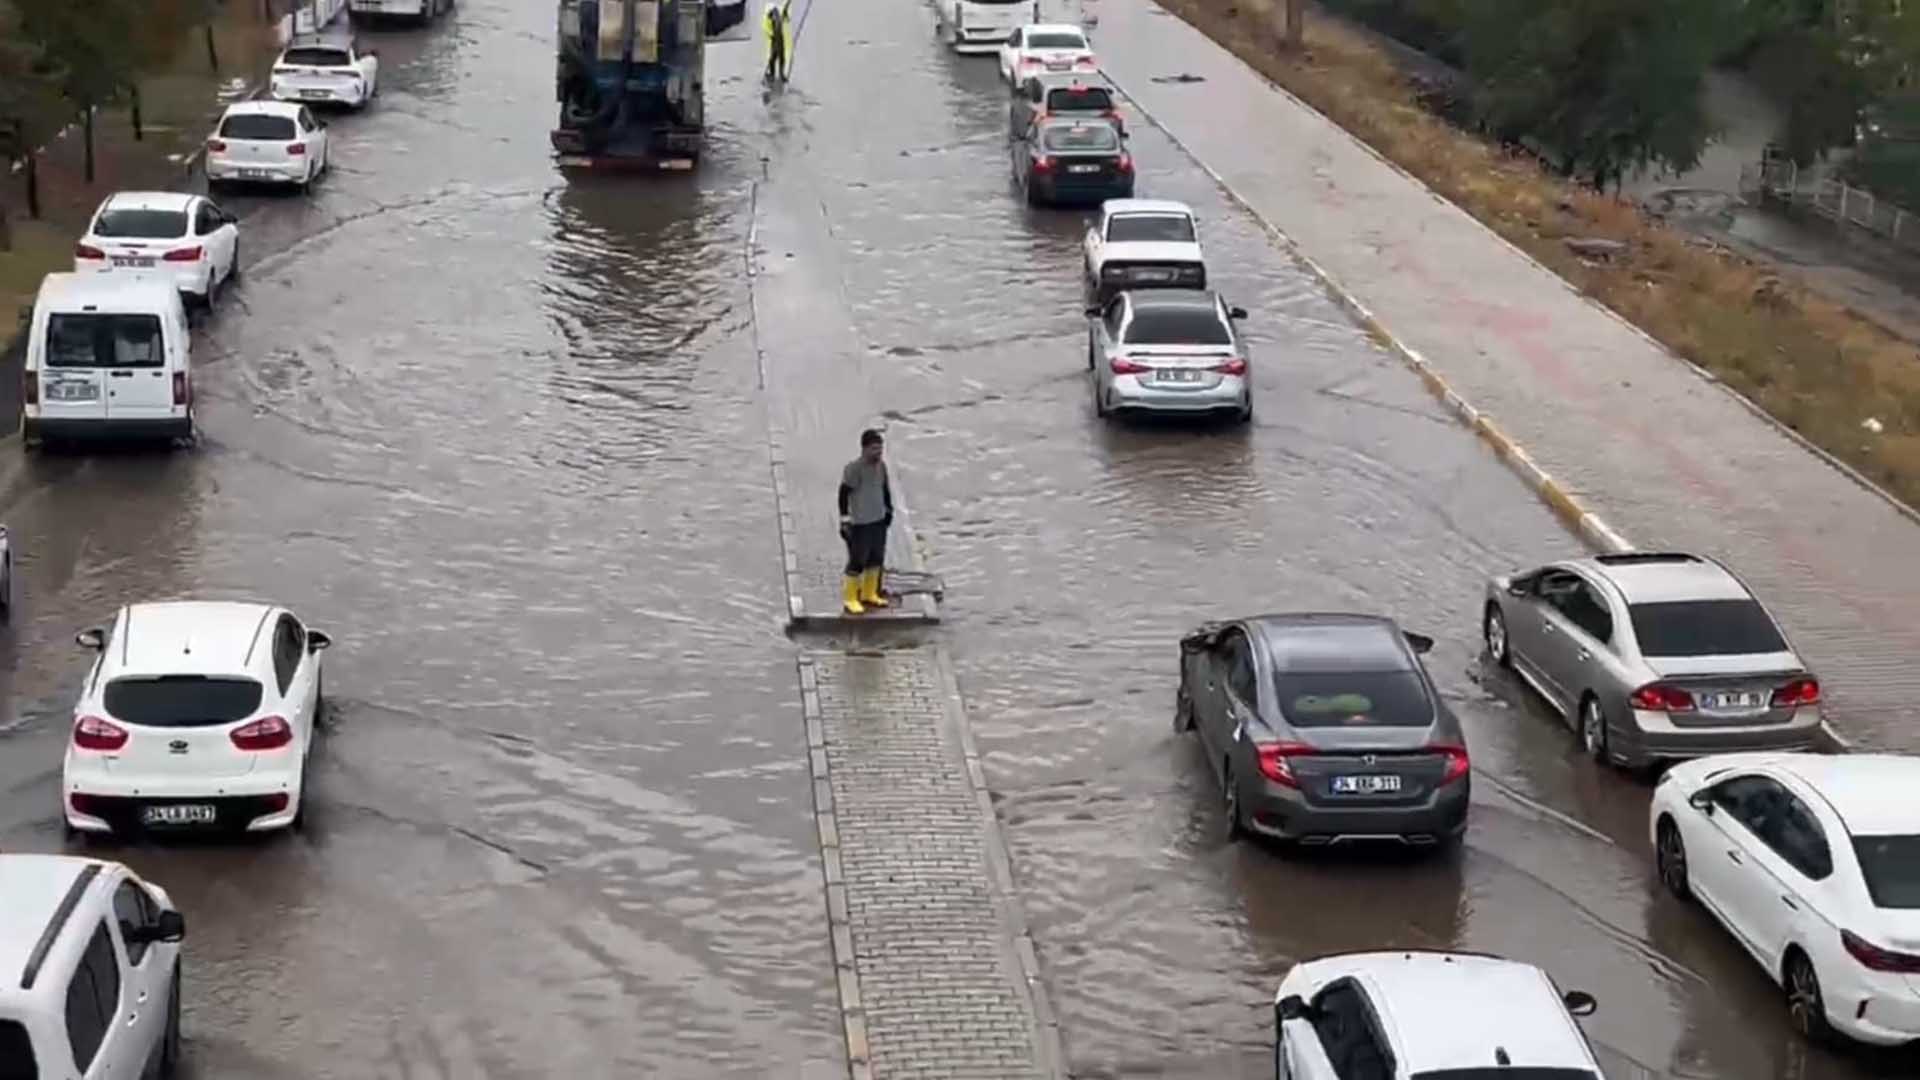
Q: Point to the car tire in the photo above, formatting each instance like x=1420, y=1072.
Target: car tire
x=1100, y=400
x=1182, y=709
x=170, y=1040
x=1670, y=859
x=1493, y=630
x=1230, y=799
x=306, y=182
x=233, y=272
x=6, y=589
x=1806, y=1005
x=1245, y=415
x=1593, y=730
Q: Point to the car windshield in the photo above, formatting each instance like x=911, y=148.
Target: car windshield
x=1508, y=1072
x=1056, y=40
x=16, y=1052
x=1891, y=865
x=1079, y=99
x=141, y=224
x=1353, y=699
x=257, y=126
x=316, y=58
x=182, y=700
x=1151, y=228
x=104, y=341
x=1093, y=137
x=1177, y=326
x=1704, y=628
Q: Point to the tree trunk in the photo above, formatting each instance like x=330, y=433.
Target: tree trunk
x=1296, y=24
x=86, y=120
x=6, y=227
x=33, y=183
x=213, y=54
x=139, y=129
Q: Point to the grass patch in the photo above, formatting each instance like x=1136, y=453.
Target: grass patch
x=39, y=248
x=1813, y=364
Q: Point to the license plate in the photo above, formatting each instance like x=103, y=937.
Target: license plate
x=1083, y=168
x=318, y=93
x=1176, y=375
x=256, y=174
x=1735, y=699
x=72, y=391
x=1365, y=785
x=191, y=814
x=1153, y=275
x=132, y=260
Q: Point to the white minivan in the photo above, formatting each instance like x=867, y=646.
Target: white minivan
x=108, y=355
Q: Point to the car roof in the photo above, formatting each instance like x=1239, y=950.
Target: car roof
x=1335, y=641
x=1116, y=207
x=319, y=41
x=1652, y=577
x=199, y=637
x=1438, y=1004
x=1049, y=28
x=67, y=292
x=32, y=888
x=1174, y=300
x=149, y=200
x=1053, y=79
x=1872, y=793
x=263, y=107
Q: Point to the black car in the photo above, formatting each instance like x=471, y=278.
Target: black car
x=1061, y=94
x=1324, y=728
x=1072, y=160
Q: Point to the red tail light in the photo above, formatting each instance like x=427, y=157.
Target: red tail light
x=296, y=149
x=1458, y=763
x=1874, y=958
x=1235, y=366
x=274, y=803
x=1123, y=366
x=1126, y=162
x=1275, y=763
x=1083, y=61
x=93, y=733
x=30, y=387
x=1043, y=164
x=1659, y=697
x=1797, y=692
x=87, y=251
x=215, y=146
x=89, y=805
x=182, y=390
x=266, y=733
x=188, y=254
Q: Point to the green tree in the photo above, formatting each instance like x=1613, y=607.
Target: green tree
x=30, y=108
x=93, y=46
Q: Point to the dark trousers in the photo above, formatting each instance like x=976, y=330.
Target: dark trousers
x=866, y=548
x=777, y=60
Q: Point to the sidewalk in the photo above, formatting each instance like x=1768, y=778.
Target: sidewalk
x=1669, y=458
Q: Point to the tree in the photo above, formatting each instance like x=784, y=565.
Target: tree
x=92, y=46
x=29, y=105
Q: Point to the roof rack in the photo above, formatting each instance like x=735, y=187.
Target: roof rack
x=1637, y=558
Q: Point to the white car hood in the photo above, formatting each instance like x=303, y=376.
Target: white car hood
x=1152, y=251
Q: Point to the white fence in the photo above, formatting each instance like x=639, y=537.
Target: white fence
x=1835, y=200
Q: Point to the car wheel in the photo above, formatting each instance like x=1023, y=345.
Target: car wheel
x=1245, y=415
x=1493, y=627
x=1593, y=729
x=1099, y=399
x=306, y=182
x=170, y=1041
x=1230, y=797
x=1805, y=1005
x=233, y=272
x=1182, y=709
x=1670, y=856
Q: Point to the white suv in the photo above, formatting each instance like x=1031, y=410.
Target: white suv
x=89, y=971
x=1398, y=1015
x=196, y=715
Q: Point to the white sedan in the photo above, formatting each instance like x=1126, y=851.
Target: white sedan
x=1042, y=47
x=196, y=715
x=1812, y=862
x=326, y=71
x=185, y=237
x=267, y=142
x=1144, y=243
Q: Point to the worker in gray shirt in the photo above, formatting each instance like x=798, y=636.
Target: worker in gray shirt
x=866, y=511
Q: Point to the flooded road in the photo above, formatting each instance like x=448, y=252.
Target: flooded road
x=502, y=437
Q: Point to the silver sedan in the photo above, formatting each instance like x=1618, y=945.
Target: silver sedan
x=1169, y=350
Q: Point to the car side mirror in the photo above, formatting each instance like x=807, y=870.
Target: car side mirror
x=1519, y=588
x=1701, y=801
x=1580, y=1003
x=1237, y=313
x=95, y=639
x=170, y=927
x=1292, y=1007
x=1093, y=313
x=316, y=641
x=1422, y=644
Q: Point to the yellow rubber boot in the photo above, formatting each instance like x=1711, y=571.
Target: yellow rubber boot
x=850, y=596
x=870, y=589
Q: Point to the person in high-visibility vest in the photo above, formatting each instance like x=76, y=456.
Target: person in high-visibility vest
x=779, y=41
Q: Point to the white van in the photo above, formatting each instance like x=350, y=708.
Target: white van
x=108, y=355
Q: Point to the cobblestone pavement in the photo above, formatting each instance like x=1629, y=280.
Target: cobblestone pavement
x=938, y=977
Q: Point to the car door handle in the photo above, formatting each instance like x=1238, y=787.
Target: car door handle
x=141, y=997
x=1734, y=855
x=1788, y=900
x=1584, y=655
x=1548, y=628
x=121, y=374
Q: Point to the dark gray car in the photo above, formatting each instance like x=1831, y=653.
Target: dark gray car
x=1324, y=728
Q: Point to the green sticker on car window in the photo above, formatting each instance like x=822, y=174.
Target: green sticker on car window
x=1316, y=704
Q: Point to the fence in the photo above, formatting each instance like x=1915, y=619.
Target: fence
x=1835, y=200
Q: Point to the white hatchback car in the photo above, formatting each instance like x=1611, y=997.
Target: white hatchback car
x=183, y=237
x=326, y=71
x=196, y=715
x=1044, y=47
x=89, y=971
x=1427, y=1014
x=267, y=142
x=1812, y=862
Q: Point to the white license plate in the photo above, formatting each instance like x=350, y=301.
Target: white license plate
x=132, y=260
x=1365, y=785
x=256, y=174
x=1083, y=168
x=317, y=93
x=1153, y=275
x=1734, y=699
x=1177, y=375
x=191, y=814
x=72, y=391
x=1059, y=65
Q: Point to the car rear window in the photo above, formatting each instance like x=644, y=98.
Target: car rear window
x=1704, y=628
x=315, y=58
x=257, y=126
x=1508, y=1072
x=1177, y=326
x=1150, y=228
x=1079, y=99
x=142, y=224
x=182, y=700
x=1093, y=137
x=16, y=1053
x=1353, y=699
x=1891, y=865
x=1056, y=40
x=86, y=340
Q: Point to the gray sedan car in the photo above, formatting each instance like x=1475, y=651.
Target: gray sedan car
x=1169, y=351
x=1324, y=728
x=1653, y=656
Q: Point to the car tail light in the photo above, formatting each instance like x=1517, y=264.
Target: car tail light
x=93, y=733
x=1874, y=958
x=1083, y=61
x=1659, y=697
x=30, y=387
x=1235, y=366
x=216, y=146
x=296, y=149
x=1123, y=366
x=1276, y=761
x=266, y=733
x=182, y=389
x=1126, y=162
x=186, y=254
x=1458, y=763
x=1798, y=692
x=1042, y=164
x=274, y=803
x=87, y=251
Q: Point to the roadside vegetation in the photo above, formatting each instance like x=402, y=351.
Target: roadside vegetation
x=1561, y=98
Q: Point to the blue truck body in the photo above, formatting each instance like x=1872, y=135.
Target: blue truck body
x=630, y=79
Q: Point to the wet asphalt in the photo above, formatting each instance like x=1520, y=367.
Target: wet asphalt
x=501, y=434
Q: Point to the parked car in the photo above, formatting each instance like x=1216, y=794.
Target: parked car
x=326, y=70
x=1059, y=161
x=1323, y=728
x=196, y=715
x=1143, y=244
x=108, y=356
x=1428, y=1016
x=185, y=238
x=267, y=142
x=92, y=961
x=1653, y=656
x=1040, y=47
x=419, y=11
x=1064, y=95
x=1169, y=351
x=981, y=26
x=1812, y=862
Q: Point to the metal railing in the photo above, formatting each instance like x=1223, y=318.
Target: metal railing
x=1836, y=200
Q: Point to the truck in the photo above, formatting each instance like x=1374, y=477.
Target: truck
x=630, y=80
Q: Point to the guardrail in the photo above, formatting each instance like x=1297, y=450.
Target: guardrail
x=1837, y=201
